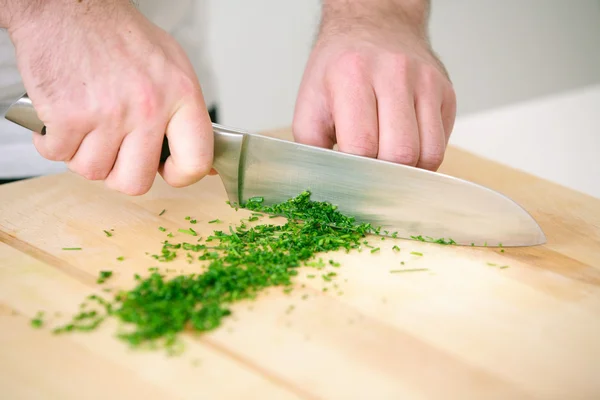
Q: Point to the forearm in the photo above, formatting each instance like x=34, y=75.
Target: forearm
x=393, y=14
x=14, y=13
x=15, y=10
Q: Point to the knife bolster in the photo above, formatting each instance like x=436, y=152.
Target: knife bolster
x=227, y=161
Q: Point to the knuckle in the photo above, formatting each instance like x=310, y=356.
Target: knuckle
x=407, y=155
x=430, y=77
x=185, y=174
x=187, y=85
x=399, y=63
x=114, y=114
x=353, y=64
x=432, y=158
x=196, y=170
x=365, y=145
x=135, y=189
x=129, y=187
x=148, y=102
x=53, y=151
x=90, y=170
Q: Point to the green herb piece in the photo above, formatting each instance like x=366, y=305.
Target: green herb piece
x=121, y=258
x=170, y=235
x=71, y=248
x=492, y=264
x=188, y=218
x=107, y=233
x=395, y=271
x=215, y=221
x=189, y=231
x=37, y=321
x=396, y=248
x=401, y=262
x=501, y=250
x=376, y=249
x=334, y=264
x=104, y=275
x=162, y=212
x=327, y=277
x=304, y=297
x=429, y=239
x=160, y=228
x=193, y=221
x=504, y=266
x=416, y=253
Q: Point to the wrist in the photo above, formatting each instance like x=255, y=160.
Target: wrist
x=392, y=15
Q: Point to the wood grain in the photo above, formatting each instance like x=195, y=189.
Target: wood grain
x=462, y=330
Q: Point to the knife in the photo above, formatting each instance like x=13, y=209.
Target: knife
x=410, y=201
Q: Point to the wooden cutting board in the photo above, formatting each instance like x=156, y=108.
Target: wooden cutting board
x=463, y=329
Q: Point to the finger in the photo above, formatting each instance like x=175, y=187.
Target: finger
x=355, y=114
x=191, y=142
x=60, y=142
x=431, y=133
x=448, y=112
x=313, y=123
x=96, y=155
x=137, y=161
x=398, y=129
x=429, y=116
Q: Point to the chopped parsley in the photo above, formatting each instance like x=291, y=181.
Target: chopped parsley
x=237, y=263
x=396, y=271
x=104, y=275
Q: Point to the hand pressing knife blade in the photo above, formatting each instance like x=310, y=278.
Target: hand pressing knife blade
x=398, y=198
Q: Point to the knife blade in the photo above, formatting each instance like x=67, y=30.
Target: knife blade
x=399, y=199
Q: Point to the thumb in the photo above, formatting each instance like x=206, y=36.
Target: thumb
x=191, y=144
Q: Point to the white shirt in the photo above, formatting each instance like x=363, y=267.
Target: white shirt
x=18, y=156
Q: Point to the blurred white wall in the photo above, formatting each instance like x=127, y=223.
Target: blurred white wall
x=498, y=53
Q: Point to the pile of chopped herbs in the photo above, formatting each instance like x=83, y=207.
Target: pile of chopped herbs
x=242, y=261
x=238, y=263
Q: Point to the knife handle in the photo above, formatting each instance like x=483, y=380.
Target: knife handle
x=228, y=143
x=22, y=113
